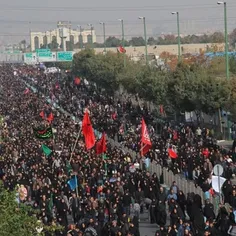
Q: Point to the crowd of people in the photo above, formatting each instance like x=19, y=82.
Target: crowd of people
x=111, y=197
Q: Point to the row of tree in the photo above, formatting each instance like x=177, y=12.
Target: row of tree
x=193, y=85
x=216, y=37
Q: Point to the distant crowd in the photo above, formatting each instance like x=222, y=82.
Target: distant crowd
x=113, y=194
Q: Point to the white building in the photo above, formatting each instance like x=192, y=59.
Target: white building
x=73, y=36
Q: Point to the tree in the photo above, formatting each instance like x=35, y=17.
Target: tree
x=231, y=103
x=53, y=45
x=151, y=41
x=100, y=69
x=191, y=88
x=19, y=220
x=232, y=38
x=113, y=42
x=232, y=65
x=23, y=45
x=217, y=37
x=137, y=41
x=196, y=84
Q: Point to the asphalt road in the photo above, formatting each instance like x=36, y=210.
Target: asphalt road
x=146, y=229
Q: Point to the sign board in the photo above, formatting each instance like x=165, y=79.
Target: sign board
x=218, y=170
x=28, y=55
x=30, y=58
x=12, y=51
x=65, y=56
x=42, y=50
x=46, y=56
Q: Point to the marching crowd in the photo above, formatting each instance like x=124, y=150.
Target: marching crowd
x=110, y=196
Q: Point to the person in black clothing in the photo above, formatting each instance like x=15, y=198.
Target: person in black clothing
x=126, y=203
x=74, y=205
x=209, y=210
x=197, y=215
x=227, y=190
x=232, y=199
x=222, y=223
x=181, y=200
x=153, y=211
x=133, y=229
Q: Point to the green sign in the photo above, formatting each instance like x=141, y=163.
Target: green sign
x=28, y=55
x=16, y=51
x=44, y=54
x=64, y=56
x=43, y=50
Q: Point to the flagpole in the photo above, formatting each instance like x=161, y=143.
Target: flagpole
x=76, y=141
x=142, y=147
x=53, y=139
x=77, y=192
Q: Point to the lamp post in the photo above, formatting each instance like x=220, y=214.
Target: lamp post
x=91, y=34
x=226, y=51
x=123, y=38
x=80, y=36
x=104, y=35
x=179, y=52
x=226, y=39
x=31, y=46
x=46, y=40
x=145, y=37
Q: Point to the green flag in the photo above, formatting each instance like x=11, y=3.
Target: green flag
x=43, y=133
x=104, y=156
x=46, y=150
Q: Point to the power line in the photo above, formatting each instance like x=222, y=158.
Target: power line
x=151, y=21
x=97, y=36
x=114, y=9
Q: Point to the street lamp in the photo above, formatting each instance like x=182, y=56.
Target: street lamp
x=179, y=52
x=123, y=38
x=226, y=39
x=80, y=36
x=145, y=37
x=91, y=34
x=104, y=35
x=31, y=46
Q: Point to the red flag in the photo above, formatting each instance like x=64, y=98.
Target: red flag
x=172, y=153
x=50, y=118
x=175, y=135
x=113, y=116
x=145, y=139
x=206, y=153
x=77, y=80
x=161, y=110
x=211, y=191
x=42, y=114
x=121, y=49
x=122, y=129
x=87, y=130
x=57, y=86
x=101, y=145
x=26, y=91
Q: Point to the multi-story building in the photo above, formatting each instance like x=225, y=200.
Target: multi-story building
x=55, y=37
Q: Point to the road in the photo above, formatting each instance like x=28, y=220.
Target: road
x=146, y=229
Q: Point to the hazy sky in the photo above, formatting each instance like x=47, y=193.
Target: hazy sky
x=195, y=16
